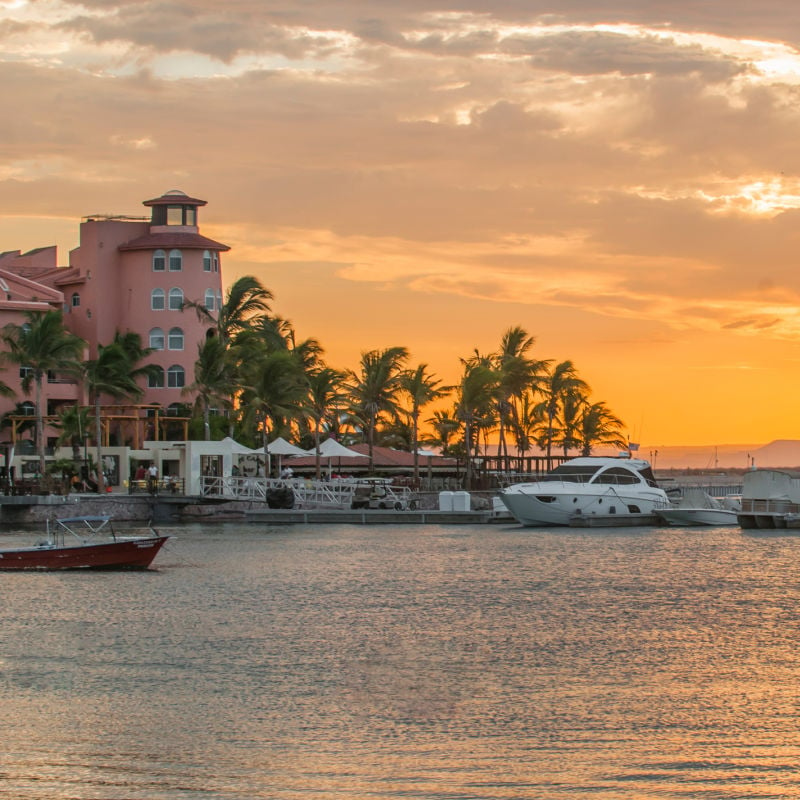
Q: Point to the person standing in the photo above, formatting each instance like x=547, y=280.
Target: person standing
x=152, y=478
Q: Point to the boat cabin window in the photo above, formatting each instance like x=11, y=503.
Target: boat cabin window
x=616, y=476
x=647, y=474
x=574, y=474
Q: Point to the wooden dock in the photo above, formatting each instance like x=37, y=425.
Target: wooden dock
x=276, y=516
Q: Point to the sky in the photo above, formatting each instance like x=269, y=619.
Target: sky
x=620, y=179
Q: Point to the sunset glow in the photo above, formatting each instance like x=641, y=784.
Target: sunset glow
x=622, y=182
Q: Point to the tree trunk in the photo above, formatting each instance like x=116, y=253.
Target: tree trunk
x=316, y=450
x=98, y=430
x=39, y=426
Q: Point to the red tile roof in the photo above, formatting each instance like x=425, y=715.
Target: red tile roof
x=182, y=240
x=174, y=198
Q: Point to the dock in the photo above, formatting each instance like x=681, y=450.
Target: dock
x=279, y=516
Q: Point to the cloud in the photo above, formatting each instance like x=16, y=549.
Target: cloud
x=625, y=168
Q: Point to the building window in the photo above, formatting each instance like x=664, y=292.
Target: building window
x=157, y=339
x=216, y=262
x=206, y=261
x=175, y=339
x=175, y=299
x=155, y=380
x=76, y=300
x=27, y=409
x=25, y=372
x=176, y=377
x=157, y=300
x=175, y=260
x=159, y=261
x=209, y=299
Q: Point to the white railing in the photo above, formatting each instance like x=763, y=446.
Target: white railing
x=307, y=493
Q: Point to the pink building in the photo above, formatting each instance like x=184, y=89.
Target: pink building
x=127, y=274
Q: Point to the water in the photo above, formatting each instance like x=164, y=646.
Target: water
x=436, y=663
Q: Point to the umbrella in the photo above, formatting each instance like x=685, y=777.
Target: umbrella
x=280, y=447
x=239, y=448
x=330, y=448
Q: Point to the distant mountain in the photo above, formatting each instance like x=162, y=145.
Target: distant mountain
x=780, y=453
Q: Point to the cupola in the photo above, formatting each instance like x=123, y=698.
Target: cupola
x=174, y=209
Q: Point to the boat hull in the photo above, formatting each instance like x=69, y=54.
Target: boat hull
x=546, y=504
x=118, y=554
x=699, y=516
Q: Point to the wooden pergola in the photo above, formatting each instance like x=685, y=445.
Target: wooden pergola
x=136, y=420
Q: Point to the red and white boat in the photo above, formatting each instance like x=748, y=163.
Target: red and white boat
x=76, y=543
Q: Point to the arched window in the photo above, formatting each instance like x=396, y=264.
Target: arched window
x=157, y=338
x=209, y=299
x=207, y=261
x=219, y=300
x=175, y=299
x=176, y=377
x=76, y=300
x=27, y=409
x=157, y=300
x=175, y=261
x=159, y=261
x=216, y=262
x=175, y=341
x=156, y=379
x=176, y=409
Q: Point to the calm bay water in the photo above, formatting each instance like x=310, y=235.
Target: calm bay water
x=439, y=663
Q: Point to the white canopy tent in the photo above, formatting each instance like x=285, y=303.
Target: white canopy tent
x=280, y=447
x=330, y=448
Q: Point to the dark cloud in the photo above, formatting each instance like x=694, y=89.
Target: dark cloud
x=774, y=20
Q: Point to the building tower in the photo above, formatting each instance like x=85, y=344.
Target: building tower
x=135, y=274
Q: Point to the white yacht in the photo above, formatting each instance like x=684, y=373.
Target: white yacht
x=581, y=487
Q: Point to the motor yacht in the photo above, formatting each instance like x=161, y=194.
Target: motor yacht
x=586, y=486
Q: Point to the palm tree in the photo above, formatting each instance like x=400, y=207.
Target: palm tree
x=73, y=422
x=527, y=421
x=562, y=381
x=517, y=373
x=273, y=389
x=112, y=373
x=445, y=426
x=476, y=395
x=42, y=344
x=569, y=418
x=213, y=378
x=245, y=300
x=374, y=388
x=325, y=394
x=422, y=388
x=599, y=427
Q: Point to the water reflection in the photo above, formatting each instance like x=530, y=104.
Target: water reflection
x=430, y=662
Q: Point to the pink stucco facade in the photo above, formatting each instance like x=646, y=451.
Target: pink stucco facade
x=128, y=274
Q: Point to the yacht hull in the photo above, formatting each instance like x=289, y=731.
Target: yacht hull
x=545, y=504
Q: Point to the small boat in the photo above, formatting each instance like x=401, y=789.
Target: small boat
x=587, y=489
x=85, y=543
x=697, y=507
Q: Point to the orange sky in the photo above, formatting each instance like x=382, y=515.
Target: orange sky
x=622, y=179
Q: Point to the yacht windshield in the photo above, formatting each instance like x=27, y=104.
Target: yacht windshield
x=571, y=474
x=647, y=474
x=617, y=475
